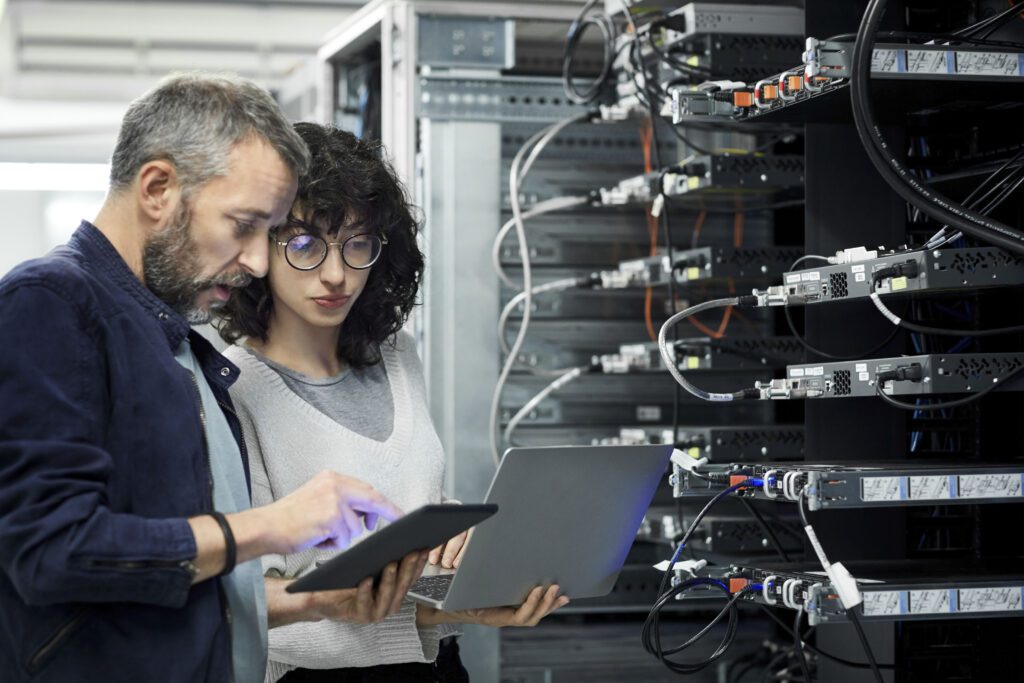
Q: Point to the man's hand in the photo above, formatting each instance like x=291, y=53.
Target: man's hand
x=361, y=605
x=450, y=554
x=538, y=604
x=328, y=512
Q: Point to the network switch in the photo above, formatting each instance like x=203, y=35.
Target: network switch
x=723, y=444
x=709, y=177
x=700, y=264
x=920, y=375
x=704, y=353
x=826, y=68
x=866, y=485
x=891, y=591
x=907, y=272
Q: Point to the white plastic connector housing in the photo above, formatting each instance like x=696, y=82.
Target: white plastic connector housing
x=845, y=585
x=853, y=255
x=691, y=567
x=685, y=461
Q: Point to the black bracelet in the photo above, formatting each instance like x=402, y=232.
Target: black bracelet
x=230, y=548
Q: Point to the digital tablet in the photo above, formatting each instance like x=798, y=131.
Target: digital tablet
x=422, y=529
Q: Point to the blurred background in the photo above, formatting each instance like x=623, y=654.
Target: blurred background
x=68, y=70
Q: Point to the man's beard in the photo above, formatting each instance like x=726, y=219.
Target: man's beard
x=171, y=267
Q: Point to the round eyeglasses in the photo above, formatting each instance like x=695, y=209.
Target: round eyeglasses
x=307, y=252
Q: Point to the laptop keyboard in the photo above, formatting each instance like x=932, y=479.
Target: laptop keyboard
x=433, y=587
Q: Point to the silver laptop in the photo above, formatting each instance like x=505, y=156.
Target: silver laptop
x=567, y=515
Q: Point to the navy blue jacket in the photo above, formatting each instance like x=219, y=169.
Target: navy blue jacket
x=102, y=460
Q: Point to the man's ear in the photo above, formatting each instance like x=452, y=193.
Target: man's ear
x=158, y=190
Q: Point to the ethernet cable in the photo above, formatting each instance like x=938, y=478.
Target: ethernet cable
x=844, y=584
x=668, y=355
x=539, y=209
x=651, y=634
x=892, y=170
x=535, y=145
x=560, y=382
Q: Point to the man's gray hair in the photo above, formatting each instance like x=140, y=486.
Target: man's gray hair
x=193, y=121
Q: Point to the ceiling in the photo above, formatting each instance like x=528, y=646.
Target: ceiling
x=69, y=68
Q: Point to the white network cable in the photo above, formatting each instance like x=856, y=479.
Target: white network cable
x=514, y=302
x=538, y=141
x=541, y=395
x=546, y=206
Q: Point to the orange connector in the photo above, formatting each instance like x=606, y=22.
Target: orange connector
x=743, y=98
x=794, y=83
x=736, y=585
x=770, y=92
x=737, y=479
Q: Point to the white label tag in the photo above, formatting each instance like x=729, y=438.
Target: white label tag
x=861, y=367
x=883, y=603
x=990, y=485
x=884, y=61
x=796, y=372
x=1002, y=599
x=648, y=414
x=860, y=277
x=929, y=602
x=876, y=489
x=859, y=268
x=987, y=64
x=927, y=62
x=816, y=372
x=810, y=277
x=934, y=487
x=863, y=376
x=792, y=278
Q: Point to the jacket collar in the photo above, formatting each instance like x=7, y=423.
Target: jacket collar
x=102, y=255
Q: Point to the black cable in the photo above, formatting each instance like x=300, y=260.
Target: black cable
x=798, y=647
x=762, y=207
x=752, y=509
x=946, y=404
x=572, y=40
x=667, y=58
x=651, y=634
x=817, y=650
x=992, y=23
x=852, y=613
x=896, y=175
x=832, y=356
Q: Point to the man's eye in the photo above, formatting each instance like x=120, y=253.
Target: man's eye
x=243, y=228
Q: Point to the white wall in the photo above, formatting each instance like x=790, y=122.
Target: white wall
x=35, y=222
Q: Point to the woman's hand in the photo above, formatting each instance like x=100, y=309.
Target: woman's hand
x=450, y=554
x=538, y=604
x=366, y=605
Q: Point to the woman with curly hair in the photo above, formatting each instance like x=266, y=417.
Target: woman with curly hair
x=330, y=381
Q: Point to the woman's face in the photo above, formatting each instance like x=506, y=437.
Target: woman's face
x=323, y=296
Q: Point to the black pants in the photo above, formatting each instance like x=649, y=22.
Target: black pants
x=446, y=669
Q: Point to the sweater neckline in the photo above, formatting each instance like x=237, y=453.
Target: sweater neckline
x=397, y=382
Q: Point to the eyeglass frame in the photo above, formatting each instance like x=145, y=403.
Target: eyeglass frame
x=293, y=222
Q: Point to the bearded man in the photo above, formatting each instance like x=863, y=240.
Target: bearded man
x=128, y=549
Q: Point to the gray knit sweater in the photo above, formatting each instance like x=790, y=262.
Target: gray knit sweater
x=289, y=441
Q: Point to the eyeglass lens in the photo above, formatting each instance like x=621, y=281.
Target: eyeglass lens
x=306, y=252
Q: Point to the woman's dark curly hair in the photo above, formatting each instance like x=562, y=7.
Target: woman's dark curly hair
x=348, y=183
